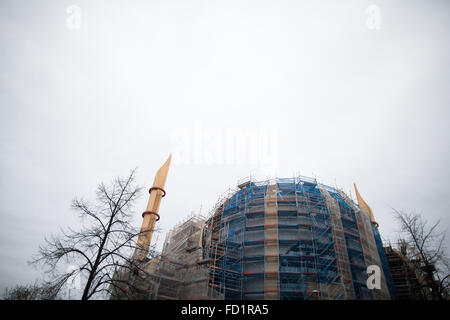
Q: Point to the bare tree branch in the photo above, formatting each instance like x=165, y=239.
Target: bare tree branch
x=102, y=247
x=426, y=245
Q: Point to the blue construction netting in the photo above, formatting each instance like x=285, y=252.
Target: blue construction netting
x=306, y=252
x=384, y=263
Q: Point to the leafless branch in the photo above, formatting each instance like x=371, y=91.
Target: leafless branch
x=102, y=247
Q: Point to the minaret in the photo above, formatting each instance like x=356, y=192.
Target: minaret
x=364, y=206
x=150, y=216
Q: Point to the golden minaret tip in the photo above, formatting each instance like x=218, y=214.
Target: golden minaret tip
x=151, y=214
x=364, y=206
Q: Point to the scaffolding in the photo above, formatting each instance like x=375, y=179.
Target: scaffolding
x=182, y=262
x=408, y=278
x=291, y=239
x=178, y=272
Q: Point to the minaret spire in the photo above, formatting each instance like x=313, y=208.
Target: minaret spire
x=363, y=205
x=150, y=215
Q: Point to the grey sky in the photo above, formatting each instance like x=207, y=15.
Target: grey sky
x=349, y=104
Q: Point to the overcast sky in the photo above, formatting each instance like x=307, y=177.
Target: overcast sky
x=345, y=91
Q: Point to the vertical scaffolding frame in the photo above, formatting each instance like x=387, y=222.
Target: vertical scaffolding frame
x=276, y=239
x=292, y=239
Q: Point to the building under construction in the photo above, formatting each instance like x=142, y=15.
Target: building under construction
x=410, y=280
x=288, y=238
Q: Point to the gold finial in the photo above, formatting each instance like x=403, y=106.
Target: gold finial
x=150, y=215
x=364, y=206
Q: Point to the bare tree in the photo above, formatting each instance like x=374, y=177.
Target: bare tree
x=34, y=291
x=425, y=244
x=102, y=247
